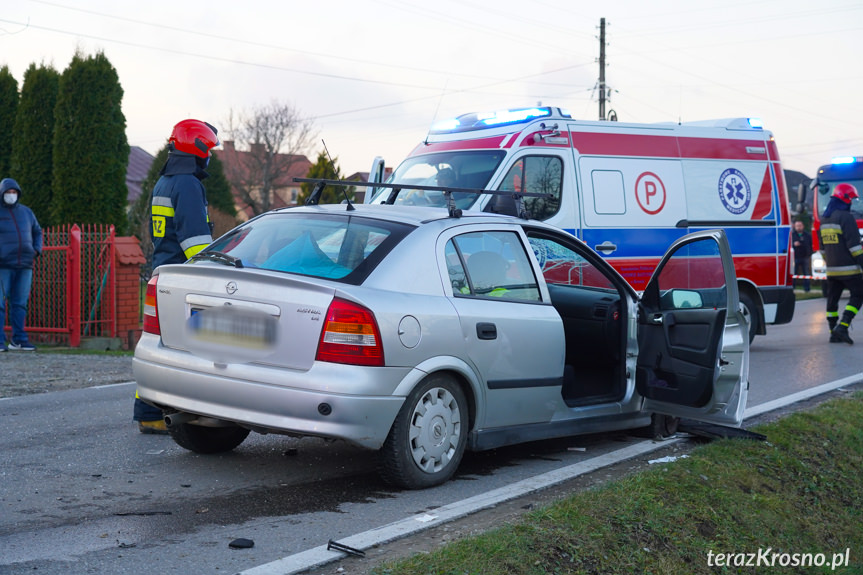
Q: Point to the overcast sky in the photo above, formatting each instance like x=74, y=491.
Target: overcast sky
x=375, y=74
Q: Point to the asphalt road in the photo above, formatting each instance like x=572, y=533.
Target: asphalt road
x=81, y=491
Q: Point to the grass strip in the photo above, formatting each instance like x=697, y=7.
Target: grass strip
x=795, y=500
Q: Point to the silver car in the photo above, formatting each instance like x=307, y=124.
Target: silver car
x=421, y=332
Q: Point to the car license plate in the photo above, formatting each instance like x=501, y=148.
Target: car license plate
x=233, y=327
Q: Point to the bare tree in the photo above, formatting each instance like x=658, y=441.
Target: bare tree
x=275, y=138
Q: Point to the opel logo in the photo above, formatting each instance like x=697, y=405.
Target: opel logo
x=231, y=288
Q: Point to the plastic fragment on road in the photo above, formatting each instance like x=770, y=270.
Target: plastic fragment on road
x=667, y=459
x=241, y=543
x=336, y=546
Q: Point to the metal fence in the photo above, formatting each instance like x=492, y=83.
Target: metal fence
x=74, y=286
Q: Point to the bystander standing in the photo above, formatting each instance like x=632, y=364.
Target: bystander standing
x=801, y=240
x=20, y=245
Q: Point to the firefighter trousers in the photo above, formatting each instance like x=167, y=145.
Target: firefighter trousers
x=835, y=286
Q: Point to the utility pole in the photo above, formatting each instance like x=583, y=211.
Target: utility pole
x=602, y=68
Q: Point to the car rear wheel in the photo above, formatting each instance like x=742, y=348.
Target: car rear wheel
x=202, y=439
x=428, y=437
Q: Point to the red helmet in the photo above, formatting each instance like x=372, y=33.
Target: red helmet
x=194, y=137
x=845, y=192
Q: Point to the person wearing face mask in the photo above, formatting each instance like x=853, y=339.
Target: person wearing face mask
x=180, y=224
x=20, y=245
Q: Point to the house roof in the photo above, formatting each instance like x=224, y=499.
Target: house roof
x=137, y=169
x=233, y=162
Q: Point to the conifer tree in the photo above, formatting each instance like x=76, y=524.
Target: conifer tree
x=91, y=151
x=8, y=109
x=32, y=146
x=324, y=169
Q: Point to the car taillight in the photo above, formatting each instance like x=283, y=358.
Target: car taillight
x=151, y=310
x=350, y=335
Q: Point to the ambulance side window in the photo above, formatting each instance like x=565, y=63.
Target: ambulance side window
x=608, y=194
x=537, y=174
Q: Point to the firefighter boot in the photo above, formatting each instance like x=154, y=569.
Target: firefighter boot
x=831, y=323
x=840, y=335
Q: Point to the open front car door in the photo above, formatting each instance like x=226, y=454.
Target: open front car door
x=693, y=358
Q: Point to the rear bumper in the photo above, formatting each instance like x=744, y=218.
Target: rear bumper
x=779, y=304
x=284, y=407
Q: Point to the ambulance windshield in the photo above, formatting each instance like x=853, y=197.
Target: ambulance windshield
x=471, y=170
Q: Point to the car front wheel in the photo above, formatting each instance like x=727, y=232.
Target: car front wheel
x=428, y=437
x=202, y=439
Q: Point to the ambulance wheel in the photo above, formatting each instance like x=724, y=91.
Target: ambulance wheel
x=751, y=310
x=207, y=440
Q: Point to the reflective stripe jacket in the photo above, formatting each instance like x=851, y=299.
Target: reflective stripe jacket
x=840, y=242
x=181, y=226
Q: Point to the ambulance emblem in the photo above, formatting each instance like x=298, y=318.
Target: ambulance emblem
x=734, y=191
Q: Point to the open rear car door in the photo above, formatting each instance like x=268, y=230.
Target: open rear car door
x=693, y=358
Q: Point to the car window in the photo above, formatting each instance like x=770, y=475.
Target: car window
x=490, y=264
x=693, y=277
x=341, y=248
x=562, y=265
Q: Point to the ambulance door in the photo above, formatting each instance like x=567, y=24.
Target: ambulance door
x=545, y=171
x=631, y=206
x=693, y=343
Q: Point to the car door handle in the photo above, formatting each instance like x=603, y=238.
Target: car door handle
x=656, y=319
x=486, y=331
x=605, y=247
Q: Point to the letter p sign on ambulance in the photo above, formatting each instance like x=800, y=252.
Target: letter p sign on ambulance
x=650, y=193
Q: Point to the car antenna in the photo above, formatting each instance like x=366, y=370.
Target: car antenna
x=335, y=173
x=436, y=110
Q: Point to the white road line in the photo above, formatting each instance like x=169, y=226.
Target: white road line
x=318, y=556
x=802, y=395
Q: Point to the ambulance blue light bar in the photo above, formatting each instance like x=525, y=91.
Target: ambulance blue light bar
x=515, y=116
x=844, y=160
x=482, y=120
x=755, y=123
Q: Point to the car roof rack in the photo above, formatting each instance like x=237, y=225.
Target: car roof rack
x=454, y=212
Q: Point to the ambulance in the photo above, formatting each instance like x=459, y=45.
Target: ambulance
x=628, y=190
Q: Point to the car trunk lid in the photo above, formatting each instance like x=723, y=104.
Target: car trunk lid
x=230, y=316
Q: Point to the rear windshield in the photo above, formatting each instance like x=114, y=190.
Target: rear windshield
x=344, y=248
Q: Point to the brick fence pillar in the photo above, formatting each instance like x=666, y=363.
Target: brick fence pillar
x=130, y=258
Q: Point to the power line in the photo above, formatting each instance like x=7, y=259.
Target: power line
x=187, y=31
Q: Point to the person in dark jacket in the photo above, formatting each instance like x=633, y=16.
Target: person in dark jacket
x=20, y=245
x=181, y=226
x=843, y=254
x=802, y=242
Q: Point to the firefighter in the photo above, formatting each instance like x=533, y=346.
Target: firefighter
x=843, y=253
x=181, y=226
